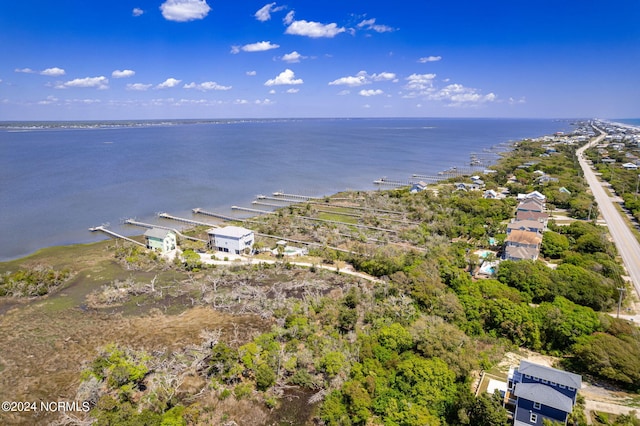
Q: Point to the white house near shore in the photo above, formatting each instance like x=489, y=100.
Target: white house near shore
x=161, y=240
x=231, y=239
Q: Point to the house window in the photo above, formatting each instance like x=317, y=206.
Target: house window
x=536, y=405
x=554, y=384
x=533, y=418
x=526, y=376
x=571, y=389
x=545, y=381
x=562, y=386
x=536, y=379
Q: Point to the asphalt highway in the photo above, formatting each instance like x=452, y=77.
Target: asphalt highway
x=626, y=243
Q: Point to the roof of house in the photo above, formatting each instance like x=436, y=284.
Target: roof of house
x=230, y=231
x=523, y=237
x=521, y=253
x=525, y=224
x=530, y=204
x=157, y=233
x=529, y=215
x=551, y=374
x=545, y=395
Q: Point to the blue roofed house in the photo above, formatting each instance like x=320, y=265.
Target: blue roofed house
x=539, y=392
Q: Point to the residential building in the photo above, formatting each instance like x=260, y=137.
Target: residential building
x=536, y=392
x=418, y=187
x=520, y=253
x=532, y=215
x=519, y=238
x=526, y=225
x=531, y=205
x=160, y=239
x=231, y=239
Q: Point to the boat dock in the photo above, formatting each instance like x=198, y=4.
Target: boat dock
x=295, y=196
x=216, y=215
x=247, y=209
x=184, y=220
x=280, y=199
x=394, y=183
x=261, y=203
x=113, y=234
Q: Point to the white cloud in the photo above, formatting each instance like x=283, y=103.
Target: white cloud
x=370, y=92
x=207, y=85
x=272, y=91
x=370, y=24
x=25, y=70
x=426, y=59
x=260, y=46
x=293, y=57
x=459, y=95
x=420, y=84
x=264, y=13
x=168, y=83
x=265, y=101
x=285, y=77
x=139, y=86
x=289, y=18
x=344, y=92
x=241, y=102
x=91, y=82
x=53, y=72
x=123, y=73
x=251, y=73
x=312, y=29
x=137, y=12
x=184, y=10
x=50, y=100
x=293, y=90
x=363, y=78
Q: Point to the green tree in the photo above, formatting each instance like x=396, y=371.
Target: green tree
x=554, y=244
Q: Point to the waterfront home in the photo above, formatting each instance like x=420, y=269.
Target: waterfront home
x=161, y=240
x=231, y=239
x=418, y=187
x=630, y=166
x=536, y=392
x=526, y=225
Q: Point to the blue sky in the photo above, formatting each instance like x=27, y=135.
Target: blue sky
x=92, y=60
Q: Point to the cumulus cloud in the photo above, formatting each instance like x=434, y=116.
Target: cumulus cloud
x=264, y=13
x=285, y=77
x=293, y=90
x=168, y=83
x=370, y=24
x=91, y=82
x=260, y=46
x=459, y=95
x=53, y=72
x=310, y=28
x=420, y=84
x=293, y=57
x=184, y=10
x=370, y=92
x=363, y=78
x=25, y=70
x=138, y=86
x=206, y=86
x=137, y=12
x=426, y=59
x=123, y=73
x=251, y=73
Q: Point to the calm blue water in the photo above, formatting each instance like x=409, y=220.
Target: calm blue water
x=630, y=121
x=56, y=183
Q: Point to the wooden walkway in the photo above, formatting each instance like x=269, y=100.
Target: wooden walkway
x=113, y=234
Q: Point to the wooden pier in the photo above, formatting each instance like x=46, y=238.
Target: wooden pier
x=247, y=209
x=217, y=215
x=262, y=203
x=280, y=199
x=295, y=196
x=185, y=220
x=113, y=234
x=395, y=183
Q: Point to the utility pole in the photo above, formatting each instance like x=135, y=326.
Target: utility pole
x=621, y=290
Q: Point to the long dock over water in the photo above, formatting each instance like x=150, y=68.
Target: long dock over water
x=149, y=225
x=216, y=215
x=295, y=196
x=116, y=235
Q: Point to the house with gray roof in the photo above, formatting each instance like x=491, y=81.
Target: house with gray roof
x=231, y=239
x=537, y=392
x=160, y=239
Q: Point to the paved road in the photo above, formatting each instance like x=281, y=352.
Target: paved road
x=625, y=241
